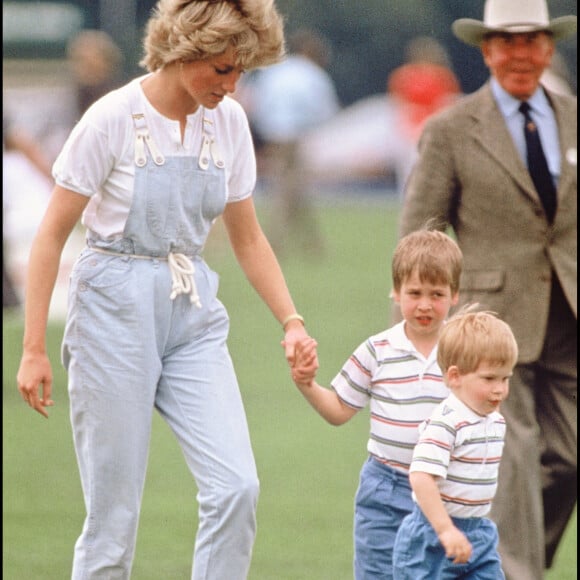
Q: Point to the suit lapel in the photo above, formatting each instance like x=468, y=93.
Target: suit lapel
x=493, y=135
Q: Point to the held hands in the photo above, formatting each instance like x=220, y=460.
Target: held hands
x=325, y=401
x=300, y=351
x=456, y=545
x=35, y=376
x=294, y=331
x=306, y=362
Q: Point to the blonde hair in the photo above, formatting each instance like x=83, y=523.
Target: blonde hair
x=471, y=337
x=433, y=255
x=200, y=29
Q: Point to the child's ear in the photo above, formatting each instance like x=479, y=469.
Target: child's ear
x=453, y=376
x=396, y=296
x=455, y=298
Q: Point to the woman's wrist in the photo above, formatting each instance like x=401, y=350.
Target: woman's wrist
x=295, y=317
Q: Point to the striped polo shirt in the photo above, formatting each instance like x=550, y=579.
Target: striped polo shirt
x=401, y=387
x=464, y=449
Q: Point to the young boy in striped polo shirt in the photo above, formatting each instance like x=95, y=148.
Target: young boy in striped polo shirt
x=396, y=374
x=456, y=460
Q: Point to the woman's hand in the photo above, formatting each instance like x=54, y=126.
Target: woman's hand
x=294, y=333
x=35, y=377
x=306, y=362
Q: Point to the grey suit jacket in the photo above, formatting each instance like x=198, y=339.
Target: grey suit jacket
x=470, y=176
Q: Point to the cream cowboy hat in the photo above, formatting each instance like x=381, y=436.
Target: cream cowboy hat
x=513, y=16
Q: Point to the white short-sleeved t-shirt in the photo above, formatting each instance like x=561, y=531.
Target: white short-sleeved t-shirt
x=463, y=450
x=401, y=387
x=98, y=158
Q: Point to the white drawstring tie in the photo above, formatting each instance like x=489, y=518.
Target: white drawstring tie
x=182, y=272
x=181, y=268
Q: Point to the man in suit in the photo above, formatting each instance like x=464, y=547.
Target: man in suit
x=519, y=245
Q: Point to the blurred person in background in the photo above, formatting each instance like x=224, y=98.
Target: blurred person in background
x=422, y=86
x=17, y=141
x=149, y=168
x=478, y=172
x=96, y=62
x=284, y=103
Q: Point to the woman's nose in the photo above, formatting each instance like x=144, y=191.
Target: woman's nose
x=231, y=81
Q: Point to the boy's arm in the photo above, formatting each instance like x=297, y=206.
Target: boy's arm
x=454, y=542
x=325, y=401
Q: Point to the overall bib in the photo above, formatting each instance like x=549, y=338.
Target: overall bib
x=145, y=330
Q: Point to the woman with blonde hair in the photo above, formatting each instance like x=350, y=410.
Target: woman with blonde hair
x=149, y=168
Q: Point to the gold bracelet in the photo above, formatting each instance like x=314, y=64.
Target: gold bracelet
x=294, y=316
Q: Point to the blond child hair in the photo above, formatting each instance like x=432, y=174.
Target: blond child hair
x=434, y=255
x=471, y=337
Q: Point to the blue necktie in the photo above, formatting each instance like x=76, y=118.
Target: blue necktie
x=537, y=164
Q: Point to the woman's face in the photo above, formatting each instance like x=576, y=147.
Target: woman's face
x=208, y=81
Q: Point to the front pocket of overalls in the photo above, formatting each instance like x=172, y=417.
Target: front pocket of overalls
x=100, y=270
x=104, y=333
x=102, y=284
x=185, y=206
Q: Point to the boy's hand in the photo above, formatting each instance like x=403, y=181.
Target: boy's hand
x=457, y=546
x=306, y=362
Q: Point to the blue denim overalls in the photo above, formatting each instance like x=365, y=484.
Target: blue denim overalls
x=145, y=329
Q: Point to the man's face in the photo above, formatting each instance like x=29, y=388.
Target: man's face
x=517, y=61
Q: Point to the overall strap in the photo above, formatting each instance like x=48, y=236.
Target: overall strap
x=143, y=139
x=209, y=147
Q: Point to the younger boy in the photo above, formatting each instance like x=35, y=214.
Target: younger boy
x=396, y=373
x=456, y=460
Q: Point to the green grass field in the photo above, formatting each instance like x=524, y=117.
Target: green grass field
x=308, y=469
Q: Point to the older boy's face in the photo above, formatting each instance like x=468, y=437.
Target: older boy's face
x=424, y=306
x=482, y=390
x=517, y=61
